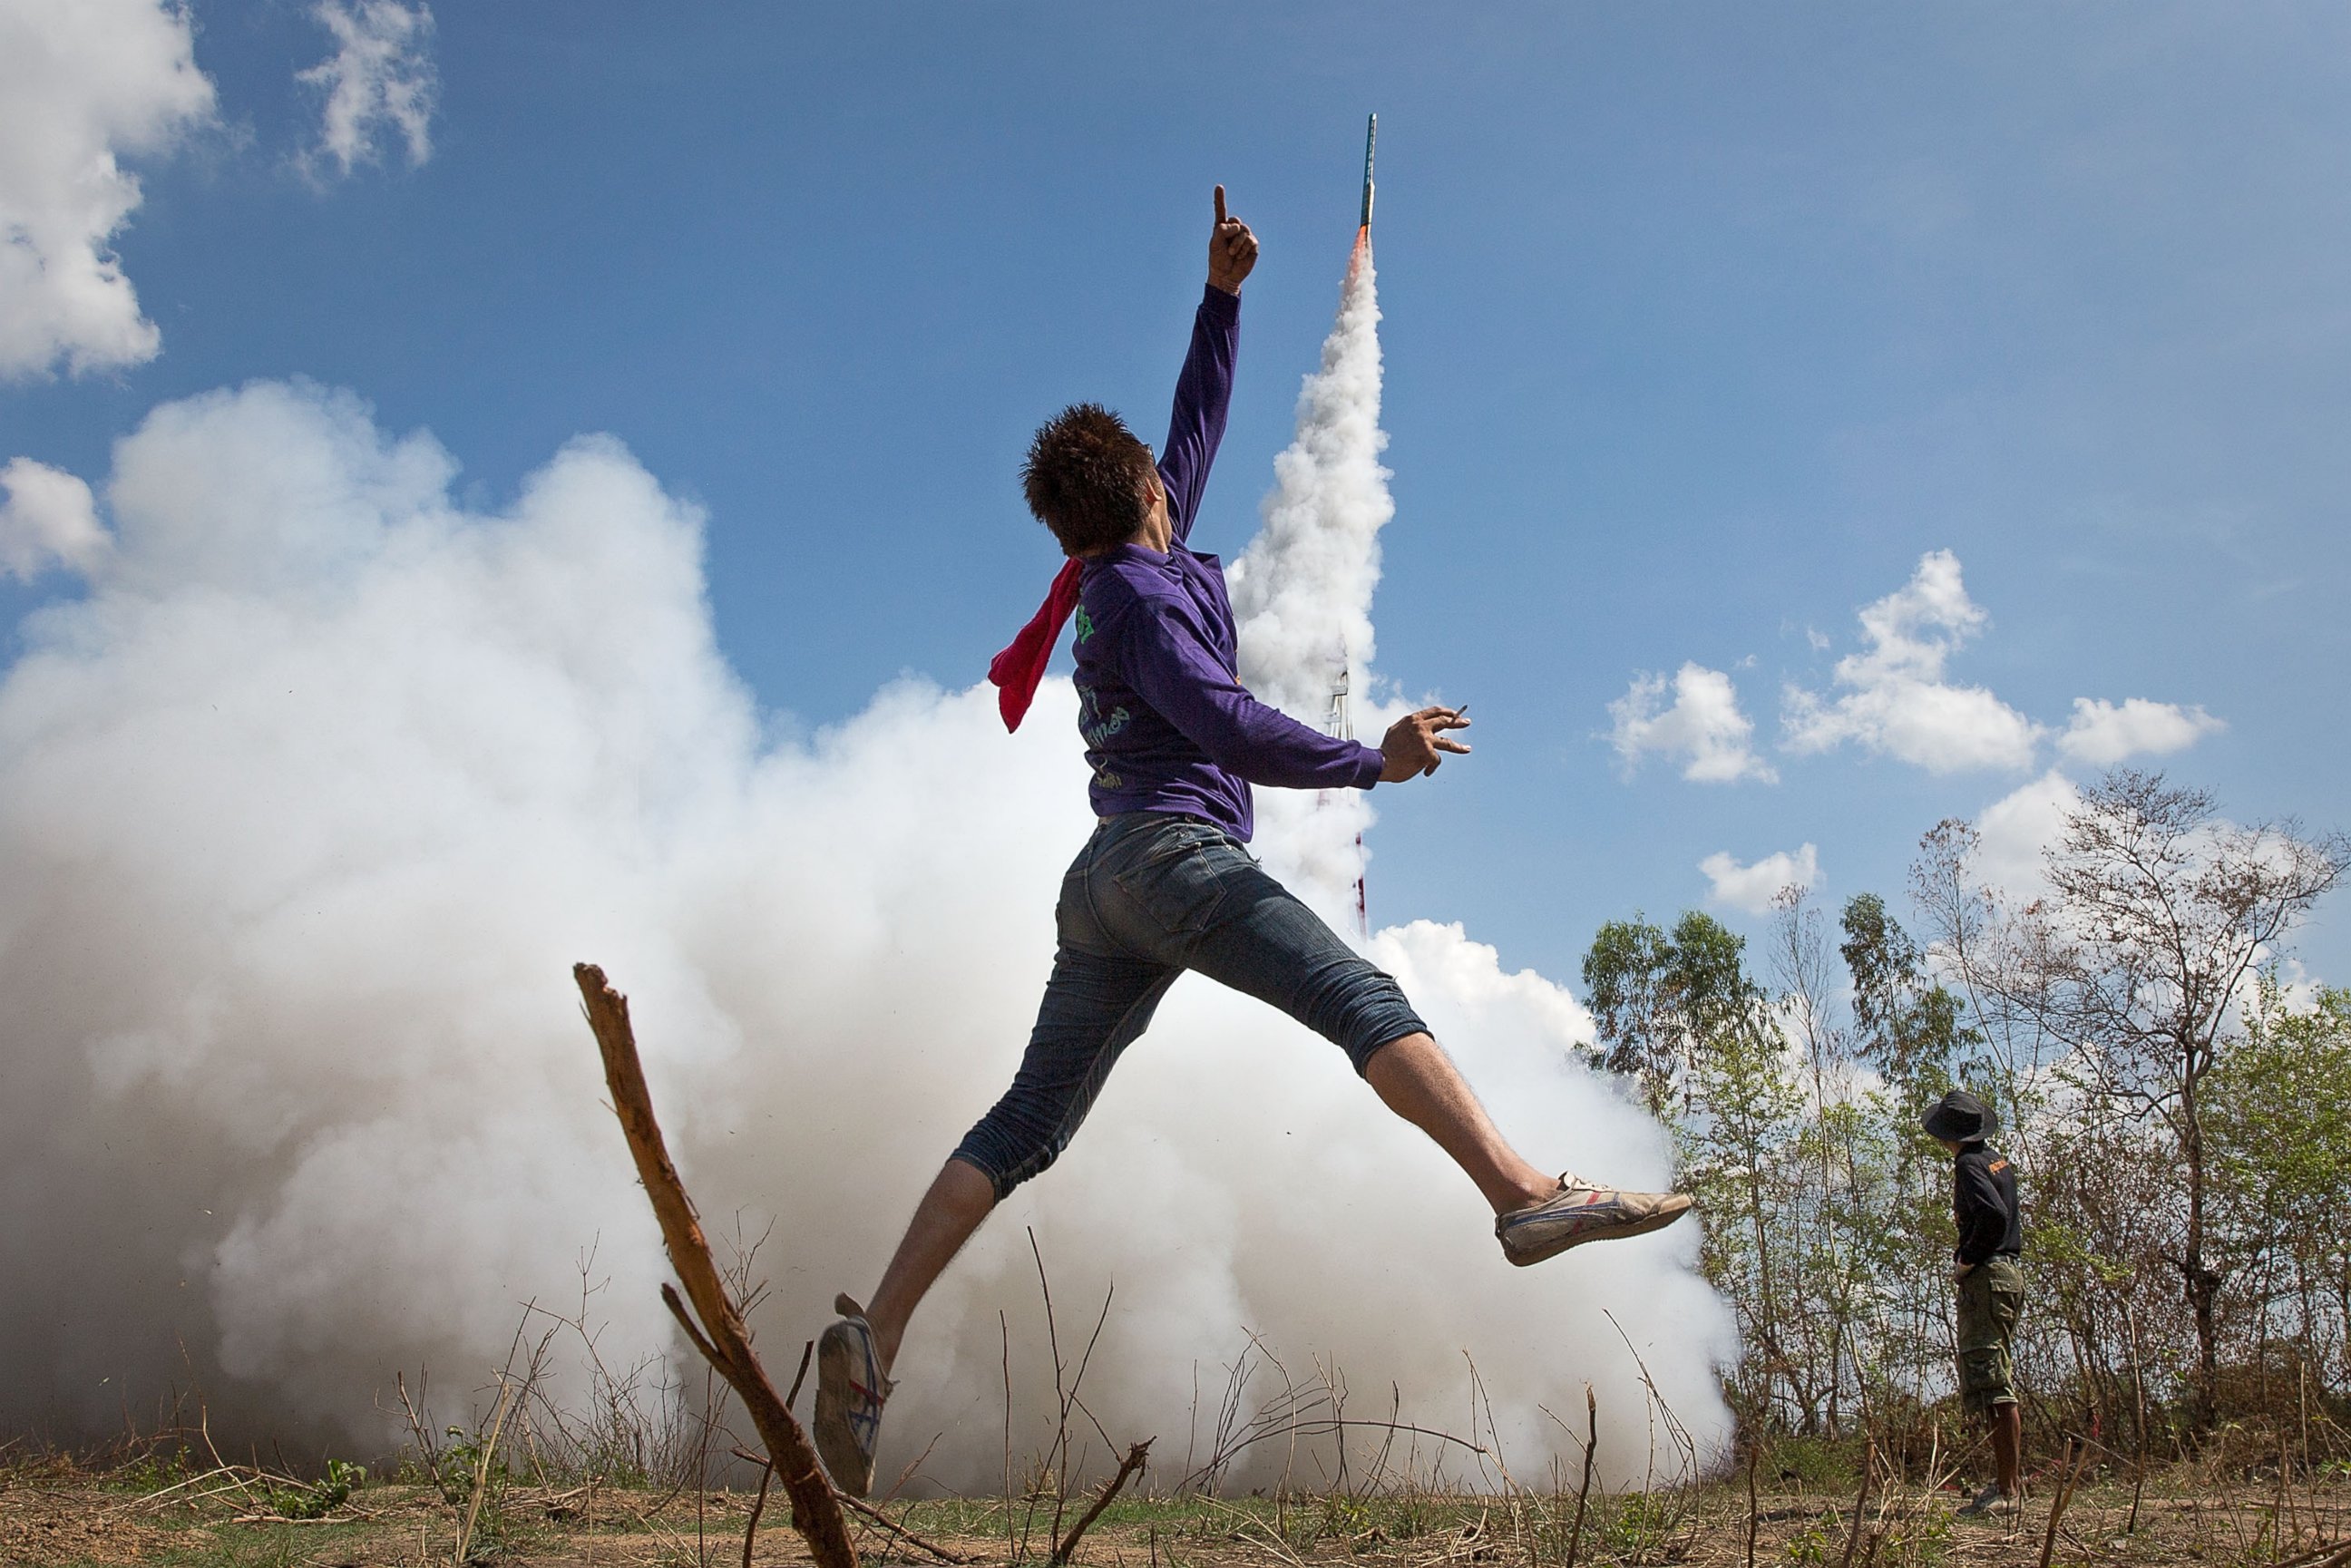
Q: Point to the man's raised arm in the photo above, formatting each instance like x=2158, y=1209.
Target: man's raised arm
x=1205, y=389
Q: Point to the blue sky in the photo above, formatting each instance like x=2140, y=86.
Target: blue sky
x=1705, y=325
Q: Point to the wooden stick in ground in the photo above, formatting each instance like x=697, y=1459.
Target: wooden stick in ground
x=481, y=1476
x=1754, y=1509
x=724, y=1338
x=2064, y=1495
x=1126, y=1467
x=1583, y=1492
x=759, y=1506
x=856, y=1505
x=1861, y=1504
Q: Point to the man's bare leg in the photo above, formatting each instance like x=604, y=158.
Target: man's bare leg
x=2008, y=1447
x=1419, y=1083
x=1413, y=1076
x=958, y=1199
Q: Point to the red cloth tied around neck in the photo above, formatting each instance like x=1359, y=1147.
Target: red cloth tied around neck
x=1018, y=669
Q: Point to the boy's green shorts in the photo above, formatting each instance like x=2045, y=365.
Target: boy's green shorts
x=1992, y=1295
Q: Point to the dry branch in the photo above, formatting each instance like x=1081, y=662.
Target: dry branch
x=1754, y=1509
x=759, y=1506
x=901, y=1532
x=1584, y=1491
x=1126, y=1467
x=482, y=1474
x=1861, y=1502
x=855, y=1505
x=767, y=1470
x=2064, y=1495
x=724, y=1338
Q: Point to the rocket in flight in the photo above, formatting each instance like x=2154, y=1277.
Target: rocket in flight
x=1371, y=138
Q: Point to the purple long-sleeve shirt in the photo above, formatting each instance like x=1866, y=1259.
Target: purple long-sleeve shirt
x=1166, y=723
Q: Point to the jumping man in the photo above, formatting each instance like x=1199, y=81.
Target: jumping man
x=1164, y=885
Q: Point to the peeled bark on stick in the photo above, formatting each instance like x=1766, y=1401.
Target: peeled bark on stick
x=722, y=1336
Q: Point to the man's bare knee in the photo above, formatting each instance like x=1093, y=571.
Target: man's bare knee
x=1413, y=1056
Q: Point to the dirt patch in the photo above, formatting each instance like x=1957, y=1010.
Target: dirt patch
x=63, y=1521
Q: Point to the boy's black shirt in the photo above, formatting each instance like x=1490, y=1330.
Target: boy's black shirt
x=1983, y=1202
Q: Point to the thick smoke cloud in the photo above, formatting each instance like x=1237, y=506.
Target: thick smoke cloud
x=306, y=811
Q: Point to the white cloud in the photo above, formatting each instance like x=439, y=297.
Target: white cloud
x=1896, y=700
x=1704, y=725
x=380, y=81
x=82, y=82
x=1752, y=888
x=2105, y=733
x=48, y=519
x=2015, y=831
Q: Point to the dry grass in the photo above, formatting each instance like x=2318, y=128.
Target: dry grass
x=55, y=1512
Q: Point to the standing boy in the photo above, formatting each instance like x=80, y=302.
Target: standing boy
x=1988, y=1269
x=1165, y=883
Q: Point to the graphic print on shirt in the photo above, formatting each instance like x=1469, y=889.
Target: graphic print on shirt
x=1095, y=729
x=1091, y=725
x=1085, y=624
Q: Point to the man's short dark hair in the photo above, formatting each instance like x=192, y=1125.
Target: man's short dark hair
x=1088, y=478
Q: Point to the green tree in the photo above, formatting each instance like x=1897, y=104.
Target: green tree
x=1657, y=1000
x=1624, y=975
x=1680, y=1014
x=2279, y=1121
x=1907, y=1026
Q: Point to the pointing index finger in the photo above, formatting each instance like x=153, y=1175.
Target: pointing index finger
x=1220, y=204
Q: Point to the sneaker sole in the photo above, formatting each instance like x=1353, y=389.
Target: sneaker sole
x=1659, y=1221
x=837, y=1365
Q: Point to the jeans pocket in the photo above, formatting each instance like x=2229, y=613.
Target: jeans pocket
x=1174, y=883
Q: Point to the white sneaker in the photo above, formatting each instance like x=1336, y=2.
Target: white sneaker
x=850, y=1389
x=1988, y=1502
x=1579, y=1212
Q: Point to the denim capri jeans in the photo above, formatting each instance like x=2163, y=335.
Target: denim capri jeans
x=1151, y=895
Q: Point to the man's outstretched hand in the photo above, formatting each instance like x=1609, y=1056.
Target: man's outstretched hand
x=1416, y=743
x=1232, y=250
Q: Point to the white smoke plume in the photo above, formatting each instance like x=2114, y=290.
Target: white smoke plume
x=1301, y=591
x=307, y=807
